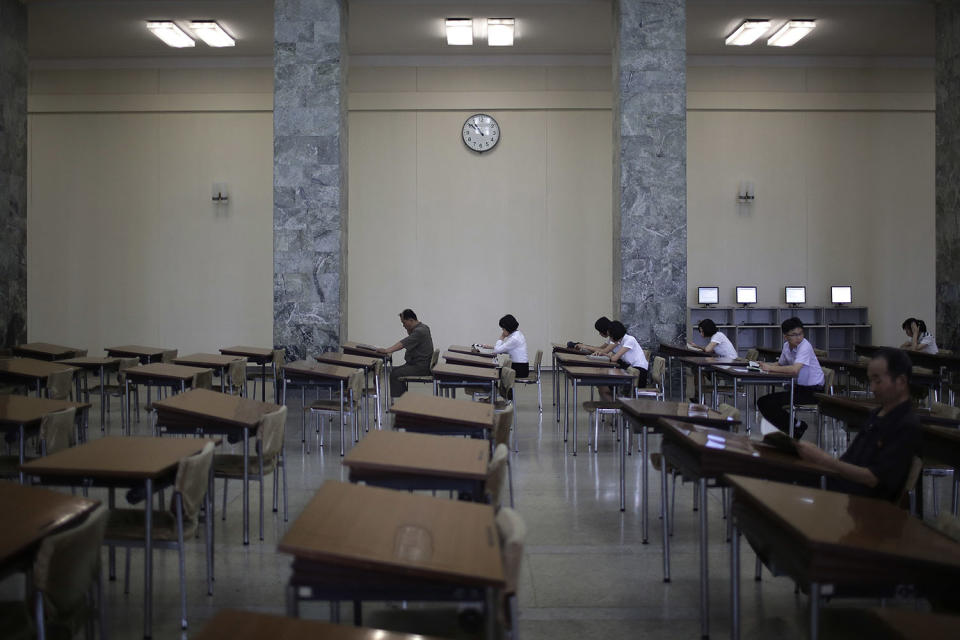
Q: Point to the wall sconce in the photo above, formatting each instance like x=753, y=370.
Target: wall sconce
x=220, y=194
x=746, y=193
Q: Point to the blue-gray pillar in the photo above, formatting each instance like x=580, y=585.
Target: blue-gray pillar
x=13, y=172
x=309, y=175
x=948, y=174
x=650, y=168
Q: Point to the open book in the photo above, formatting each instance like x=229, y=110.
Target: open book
x=368, y=347
x=598, y=356
x=777, y=439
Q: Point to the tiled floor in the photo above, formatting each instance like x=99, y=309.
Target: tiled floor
x=586, y=573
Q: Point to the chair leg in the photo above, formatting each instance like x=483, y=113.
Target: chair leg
x=126, y=572
x=182, y=562
x=101, y=610
x=260, y=457
x=673, y=498
x=539, y=395
x=758, y=570
x=38, y=611
x=223, y=511
x=516, y=441
x=936, y=494
x=276, y=486
x=283, y=461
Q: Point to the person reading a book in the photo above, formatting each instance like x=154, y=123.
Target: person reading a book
x=919, y=339
x=718, y=344
x=796, y=357
x=602, y=325
x=512, y=342
x=419, y=352
x=626, y=352
x=878, y=460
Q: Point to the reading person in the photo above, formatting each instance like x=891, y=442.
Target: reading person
x=878, y=460
x=718, y=344
x=512, y=342
x=625, y=352
x=602, y=325
x=920, y=340
x=796, y=357
x=419, y=352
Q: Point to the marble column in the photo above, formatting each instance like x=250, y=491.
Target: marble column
x=650, y=168
x=309, y=175
x=947, y=26
x=13, y=172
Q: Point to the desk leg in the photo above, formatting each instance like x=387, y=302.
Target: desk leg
x=704, y=569
x=566, y=409
x=792, y=385
x=814, y=610
x=665, y=508
x=956, y=491
x=292, y=607
x=575, y=407
x=366, y=404
x=341, y=418
x=103, y=403
x=734, y=582
x=713, y=401
x=622, y=437
x=682, y=381
x=699, y=385
x=22, y=448
x=644, y=484
x=493, y=399
x=246, y=485
x=148, y=560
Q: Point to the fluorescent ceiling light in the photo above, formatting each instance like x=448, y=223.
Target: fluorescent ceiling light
x=212, y=33
x=170, y=33
x=790, y=33
x=500, y=32
x=459, y=31
x=748, y=32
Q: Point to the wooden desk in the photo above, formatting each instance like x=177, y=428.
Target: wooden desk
x=670, y=351
x=122, y=462
x=702, y=454
x=210, y=361
x=470, y=360
x=941, y=364
x=100, y=365
x=592, y=377
x=359, y=543
x=303, y=373
x=743, y=376
x=30, y=515
x=455, y=375
x=772, y=352
x=420, y=462
x=442, y=416
x=205, y=412
x=888, y=623
x=825, y=539
x=563, y=358
x=161, y=374
x=246, y=625
x=260, y=356
x=146, y=354
x=22, y=414
x=469, y=350
x=360, y=349
x=29, y=372
x=45, y=351
x=368, y=364
x=557, y=348
x=701, y=362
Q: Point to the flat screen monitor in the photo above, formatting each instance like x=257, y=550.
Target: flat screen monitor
x=746, y=295
x=841, y=295
x=708, y=295
x=795, y=295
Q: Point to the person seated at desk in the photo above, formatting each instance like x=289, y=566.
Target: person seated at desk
x=718, y=344
x=602, y=325
x=920, y=340
x=419, y=346
x=626, y=352
x=878, y=460
x=796, y=357
x=513, y=343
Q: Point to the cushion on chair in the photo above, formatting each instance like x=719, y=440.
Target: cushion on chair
x=513, y=533
x=502, y=421
x=496, y=474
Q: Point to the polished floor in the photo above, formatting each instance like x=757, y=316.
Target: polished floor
x=586, y=572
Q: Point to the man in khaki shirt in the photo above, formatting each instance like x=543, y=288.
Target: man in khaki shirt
x=419, y=352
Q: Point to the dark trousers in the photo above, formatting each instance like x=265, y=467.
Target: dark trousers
x=772, y=405
x=522, y=368
x=397, y=386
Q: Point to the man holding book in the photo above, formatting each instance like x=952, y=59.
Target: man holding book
x=419, y=352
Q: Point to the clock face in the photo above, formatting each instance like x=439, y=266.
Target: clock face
x=481, y=132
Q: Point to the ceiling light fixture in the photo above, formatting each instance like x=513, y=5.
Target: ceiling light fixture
x=459, y=31
x=791, y=32
x=212, y=33
x=500, y=32
x=748, y=32
x=170, y=33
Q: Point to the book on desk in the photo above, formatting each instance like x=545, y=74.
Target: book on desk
x=777, y=439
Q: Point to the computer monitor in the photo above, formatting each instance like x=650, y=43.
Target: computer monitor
x=746, y=295
x=795, y=295
x=841, y=295
x=708, y=295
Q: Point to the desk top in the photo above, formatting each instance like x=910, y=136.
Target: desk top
x=465, y=412
x=677, y=350
x=582, y=360
x=30, y=368
x=460, y=348
x=829, y=519
x=318, y=370
x=131, y=350
x=888, y=623
x=421, y=454
x=563, y=348
x=742, y=373
x=606, y=373
x=375, y=529
x=16, y=410
x=469, y=359
x=646, y=408
x=117, y=457
x=843, y=407
x=30, y=514
x=91, y=362
x=246, y=625
x=254, y=353
x=156, y=370
x=213, y=405
x=771, y=351
x=206, y=360
x=348, y=360
x=354, y=348
x=702, y=360
x=464, y=372
x=45, y=350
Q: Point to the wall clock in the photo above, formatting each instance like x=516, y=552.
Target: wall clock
x=481, y=132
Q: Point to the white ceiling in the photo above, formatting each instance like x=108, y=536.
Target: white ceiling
x=65, y=30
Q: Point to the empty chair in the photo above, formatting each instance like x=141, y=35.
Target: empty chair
x=266, y=458
x=753, y=354
x=235, y=378
x=534, y=378
x=513, y=533
x=202, y=379
x=351, y=405
x=168, y=356
x=256, y=372
x=60, y=384
x=654, y=388
x=503, y=422
x=608, y=407
x=56, y=434
x=170, y=529
x=375, y=393
x=496, y=474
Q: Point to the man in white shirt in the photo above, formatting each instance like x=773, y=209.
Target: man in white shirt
x=798, y=357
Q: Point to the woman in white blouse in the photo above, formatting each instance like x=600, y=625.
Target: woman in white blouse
x=920, y=340
x=512, y=342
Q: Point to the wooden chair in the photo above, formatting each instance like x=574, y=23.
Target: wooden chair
x=534, y=378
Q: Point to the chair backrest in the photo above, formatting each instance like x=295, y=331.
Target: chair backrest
x=59, y=384
x=168, y=355
x=237, y=374
x=355, y=385
x=434, y=358
x=67, y=563
x=646, y=353
x=513, y=533
x=80, y=353
x=507, y=377
x=270, y=432
x=501, y=428
x=945, y=411
x=753, y=354
x=916, y=467
x=193, y=474
x=728, y=411
x=537, y=362
x=821, y=353
x=829, y=378
x=56, y=430
x=656, y=371
x=126, y=363
x=202, y=379
x=496, y=474
x=279, y=357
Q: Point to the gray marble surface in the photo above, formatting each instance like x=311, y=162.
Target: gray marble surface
x=650, y=140
x=309, y=178
x=948, y=173
x=13, y=172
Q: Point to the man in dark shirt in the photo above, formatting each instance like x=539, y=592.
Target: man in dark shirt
x=419, y=352
x=878, y=460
